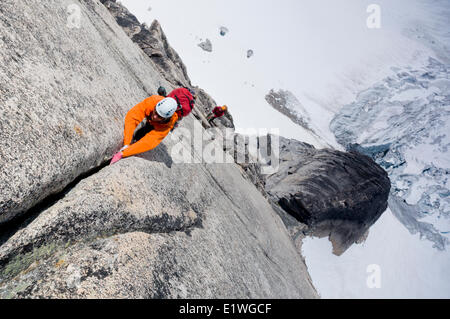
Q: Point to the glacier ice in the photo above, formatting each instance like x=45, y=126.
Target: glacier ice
x=403, y=123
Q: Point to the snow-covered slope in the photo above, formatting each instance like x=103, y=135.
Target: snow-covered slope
x=403, y=122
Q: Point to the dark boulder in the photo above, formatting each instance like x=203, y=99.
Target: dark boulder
x=336, y=194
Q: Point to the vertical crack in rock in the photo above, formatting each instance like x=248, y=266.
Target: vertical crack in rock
x=10, y=228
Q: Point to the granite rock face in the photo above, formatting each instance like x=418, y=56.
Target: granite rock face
x=286, y=103
x=149, y=226
x=124, y=18
x=318, y=192
x=336, y=194
x=64, y=91
x=153, y=42
x=237, y=146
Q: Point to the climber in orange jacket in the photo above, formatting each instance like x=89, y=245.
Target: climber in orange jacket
x=161, y=117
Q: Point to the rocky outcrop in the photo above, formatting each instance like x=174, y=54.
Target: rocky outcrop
x=206, y=45
x=286, y=103
x=124, y=18
x=153, y=42
x=237, y=146
x=317, y=192
x=336, y=194
x=149, y=226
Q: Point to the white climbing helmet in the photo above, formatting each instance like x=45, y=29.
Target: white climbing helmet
x=166, y=107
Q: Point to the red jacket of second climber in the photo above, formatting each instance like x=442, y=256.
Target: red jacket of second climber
x=218, y=111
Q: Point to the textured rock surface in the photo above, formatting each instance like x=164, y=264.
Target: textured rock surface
x=237, y=146
x=153, y=42
x=147, y=227
x=124, y=18
x=64, y=94
x=336, y=194
x=286, y=103
x=315, y=192
x=144, y=227
x=206, y=45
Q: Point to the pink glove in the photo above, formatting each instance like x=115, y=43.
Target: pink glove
x=117, y=157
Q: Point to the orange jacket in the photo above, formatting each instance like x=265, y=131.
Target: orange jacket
x=154, y=137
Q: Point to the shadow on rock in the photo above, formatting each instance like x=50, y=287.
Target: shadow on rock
x=158, y=154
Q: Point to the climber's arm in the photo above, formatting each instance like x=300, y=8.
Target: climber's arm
x=148, y=142
x=132, y=120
